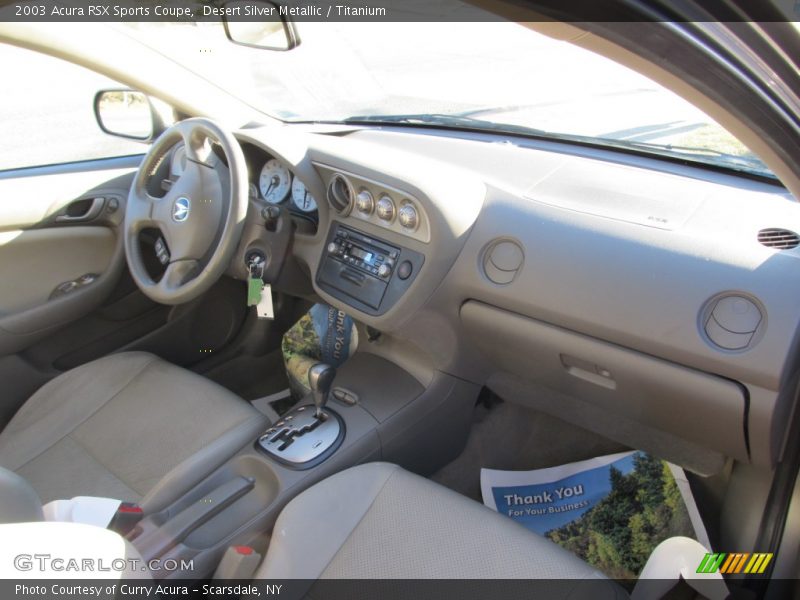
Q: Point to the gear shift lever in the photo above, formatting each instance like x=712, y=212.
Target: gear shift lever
x=320, y=379
x=304, y=438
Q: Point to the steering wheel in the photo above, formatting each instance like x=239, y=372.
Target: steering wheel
x=200, y=217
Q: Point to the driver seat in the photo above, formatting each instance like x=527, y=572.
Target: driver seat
x=128, y=426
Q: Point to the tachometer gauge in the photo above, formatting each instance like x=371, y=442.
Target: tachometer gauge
x=302, y=198
x=274, y=181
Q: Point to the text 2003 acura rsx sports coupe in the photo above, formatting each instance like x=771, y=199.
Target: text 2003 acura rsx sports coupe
x=275, y=292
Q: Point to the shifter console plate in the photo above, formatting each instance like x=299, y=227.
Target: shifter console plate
x=300, y=440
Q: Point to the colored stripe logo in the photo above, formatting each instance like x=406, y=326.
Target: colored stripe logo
x=735, y=562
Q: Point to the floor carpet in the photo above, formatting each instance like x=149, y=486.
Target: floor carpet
x=511, y=437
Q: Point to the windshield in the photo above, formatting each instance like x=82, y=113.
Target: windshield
x=496, y=76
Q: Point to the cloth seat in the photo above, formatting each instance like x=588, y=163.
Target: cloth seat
x=378, y=521
x=128, y=426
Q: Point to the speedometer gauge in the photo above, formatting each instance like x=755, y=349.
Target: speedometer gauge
x=274, y=181
x=302, y=198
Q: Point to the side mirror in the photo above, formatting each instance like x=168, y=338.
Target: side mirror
x=128, y=114
x=258, y=24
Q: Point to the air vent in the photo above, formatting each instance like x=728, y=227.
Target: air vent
x=502, y=261
x=340, y=194
x=781, y=239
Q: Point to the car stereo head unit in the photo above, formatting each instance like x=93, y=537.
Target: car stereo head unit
x=364, y=253
x=366, y=272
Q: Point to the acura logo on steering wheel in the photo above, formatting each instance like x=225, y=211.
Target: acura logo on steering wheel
x=180, y=210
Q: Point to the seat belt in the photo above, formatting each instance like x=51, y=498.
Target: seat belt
x=126, y=518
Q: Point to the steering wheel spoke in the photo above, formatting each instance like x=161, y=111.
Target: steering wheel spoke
x=139, y=213
x=177, y=274
x=197, y=144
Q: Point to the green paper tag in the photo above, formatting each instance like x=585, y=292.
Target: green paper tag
x=254, y=287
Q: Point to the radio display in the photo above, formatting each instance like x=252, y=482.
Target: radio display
x=362, y=254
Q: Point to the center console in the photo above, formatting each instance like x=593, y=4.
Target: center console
x=366, y=272
x=372, y=410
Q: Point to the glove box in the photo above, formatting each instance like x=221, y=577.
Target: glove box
x=689, y=404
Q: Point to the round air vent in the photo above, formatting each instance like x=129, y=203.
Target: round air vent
x=340, y=194
x=502, y=260
x=732, y=321
x=780, y=239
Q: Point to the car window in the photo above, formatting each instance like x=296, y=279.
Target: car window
x=47, y=112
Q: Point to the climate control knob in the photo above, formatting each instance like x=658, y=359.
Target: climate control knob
x=364, y=202
x=385, y=209
x=408, y=216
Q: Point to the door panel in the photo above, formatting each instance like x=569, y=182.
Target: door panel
x=57, y=226
x=38, y=261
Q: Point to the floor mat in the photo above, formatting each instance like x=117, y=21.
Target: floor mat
x=512, y=437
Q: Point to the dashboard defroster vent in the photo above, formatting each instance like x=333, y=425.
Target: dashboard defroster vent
x=340, y=194
x=780, y=239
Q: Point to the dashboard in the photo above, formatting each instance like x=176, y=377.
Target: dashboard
x=645, y=294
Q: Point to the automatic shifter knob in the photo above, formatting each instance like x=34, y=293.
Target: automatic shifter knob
x=320, y=379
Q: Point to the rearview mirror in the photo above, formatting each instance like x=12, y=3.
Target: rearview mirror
x=125, y=113
x=258, y=24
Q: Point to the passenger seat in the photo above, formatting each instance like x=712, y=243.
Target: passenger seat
x=378, y=521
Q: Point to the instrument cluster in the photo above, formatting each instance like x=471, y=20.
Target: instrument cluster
x=275, y=183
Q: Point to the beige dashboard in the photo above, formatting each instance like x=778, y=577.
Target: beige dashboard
x=597, y=276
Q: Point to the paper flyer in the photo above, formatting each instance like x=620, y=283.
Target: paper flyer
x=611, y=511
